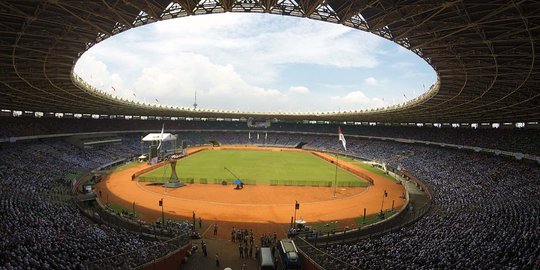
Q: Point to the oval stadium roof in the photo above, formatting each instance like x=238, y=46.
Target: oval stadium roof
x=484, y=53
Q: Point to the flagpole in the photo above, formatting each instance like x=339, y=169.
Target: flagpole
x=335, y=177
x=344, y=143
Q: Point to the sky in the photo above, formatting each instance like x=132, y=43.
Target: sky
x=255, y=63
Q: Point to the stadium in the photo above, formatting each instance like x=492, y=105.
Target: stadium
x=449, y=179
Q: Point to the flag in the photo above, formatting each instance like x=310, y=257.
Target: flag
x=114, y=89
x=134, y=94
x=342, y=139
x=156, y=100
x=161, y=136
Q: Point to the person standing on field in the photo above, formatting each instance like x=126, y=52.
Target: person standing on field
x=203, y=247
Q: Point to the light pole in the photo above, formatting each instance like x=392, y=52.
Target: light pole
x=385, y=194
x=194, y=220
x=296, y=207
x=364, y=220
x=162, y=213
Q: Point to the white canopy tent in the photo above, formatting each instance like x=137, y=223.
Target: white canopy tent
x=153, y=155
x=151, y=137
x=143, y=158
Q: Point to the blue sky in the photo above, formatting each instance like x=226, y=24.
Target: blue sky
x=256, y=63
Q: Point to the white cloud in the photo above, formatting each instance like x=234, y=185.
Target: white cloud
x=217, y=86
x=318, y=43
x=301, y=90
x=97, y=73
x=371, y=81
x=359, y=99
x=236, y=62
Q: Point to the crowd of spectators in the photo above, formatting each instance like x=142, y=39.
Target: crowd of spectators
x=522, y=140
x=485, y=214
x=41, y=228
x=485, y=211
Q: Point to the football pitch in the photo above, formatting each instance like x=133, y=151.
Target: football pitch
x=256, y=167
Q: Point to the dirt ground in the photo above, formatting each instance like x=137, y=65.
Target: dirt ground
x=262, y=208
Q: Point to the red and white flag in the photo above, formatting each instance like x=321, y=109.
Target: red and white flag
x=161, y=136
x=342, y=139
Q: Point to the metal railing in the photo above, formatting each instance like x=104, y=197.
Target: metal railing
x=280, y=182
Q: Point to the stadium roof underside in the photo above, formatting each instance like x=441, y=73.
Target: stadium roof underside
x=484, y=53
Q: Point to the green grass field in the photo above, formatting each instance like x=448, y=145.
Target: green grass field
x=368, y=167
x=326, y=227
x=120, y=209
x=256, y=167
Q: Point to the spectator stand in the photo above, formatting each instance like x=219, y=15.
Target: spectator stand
x=418, y=203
